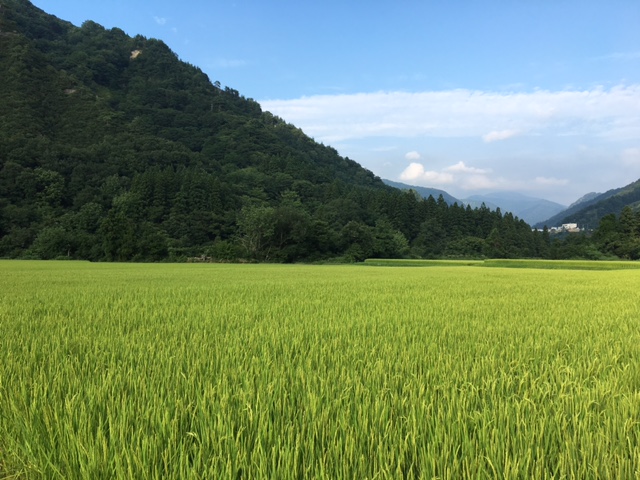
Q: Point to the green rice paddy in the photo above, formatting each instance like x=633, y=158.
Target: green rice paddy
x=205, y=371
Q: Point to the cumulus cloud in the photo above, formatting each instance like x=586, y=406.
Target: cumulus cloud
x=466, y=177
x=412, y=155
x=160, y=20
x=460, y=167
x=465, y=113
x=499, y=135
x=416, y=173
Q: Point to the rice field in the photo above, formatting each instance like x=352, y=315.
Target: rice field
x=204, y=371
x=509, y=263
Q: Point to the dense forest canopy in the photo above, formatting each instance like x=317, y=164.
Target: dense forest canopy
x=112, y=149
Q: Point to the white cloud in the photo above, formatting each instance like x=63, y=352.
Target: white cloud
x=437, y=178
x=460, y=167
x=413, y=172
x=499, y=135
x=613, y=112
x=466, y=177
x=416, y=173
x=412, y=155
x=160, y=20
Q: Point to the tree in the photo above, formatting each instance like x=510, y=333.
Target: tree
x=291, y=224
x=357, y=241
x=495, y=245
x=629, y=229
x=607, y=236
x=53, y=242
x=387, y=242
x=256, y=227
x=431, y=240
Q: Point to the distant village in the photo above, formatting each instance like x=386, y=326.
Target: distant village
x=565, y=227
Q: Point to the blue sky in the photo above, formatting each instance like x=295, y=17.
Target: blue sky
x=470, y=96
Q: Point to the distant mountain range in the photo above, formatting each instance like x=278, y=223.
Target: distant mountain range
x=530, y=209
x=587, y=211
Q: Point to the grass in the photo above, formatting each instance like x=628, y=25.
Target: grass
x=267, y=371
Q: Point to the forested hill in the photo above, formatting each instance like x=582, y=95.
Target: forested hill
x=111, y=148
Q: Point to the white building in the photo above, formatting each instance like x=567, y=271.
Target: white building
x=570, y=227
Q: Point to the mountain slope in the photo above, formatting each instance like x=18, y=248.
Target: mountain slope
x=88, y=114
x=585, y=198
